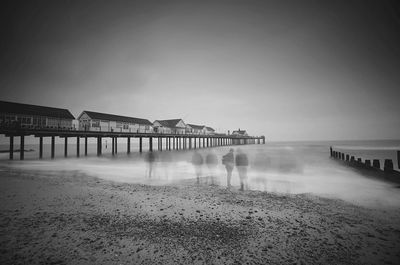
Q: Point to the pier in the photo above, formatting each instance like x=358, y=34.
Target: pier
x=167, y=142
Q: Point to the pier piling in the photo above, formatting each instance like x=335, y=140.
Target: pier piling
x=53, y=143
x=40, y=147
x=140, y=144
x=65, y=146
x=128, y=147
x=78, y=143
x=11, y=147
x=86, y=145
x=22, y=148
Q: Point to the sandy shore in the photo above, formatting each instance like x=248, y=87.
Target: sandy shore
x=71, y=218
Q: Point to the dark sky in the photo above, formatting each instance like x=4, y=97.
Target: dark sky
x=291, y=70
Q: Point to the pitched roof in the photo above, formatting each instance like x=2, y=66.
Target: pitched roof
x=169, y=123
x=112, y=117
x=197, y=127
x=239, y=132
x=27, y=109
x=210, y=129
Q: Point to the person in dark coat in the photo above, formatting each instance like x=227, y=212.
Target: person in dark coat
x=242, y=162
x=229, y=161
x=197, y=161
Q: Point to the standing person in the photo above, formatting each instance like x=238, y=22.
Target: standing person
x=212, y=162
x=197, y=161
x=242, y=162
x=150, y=159
x=228, y=160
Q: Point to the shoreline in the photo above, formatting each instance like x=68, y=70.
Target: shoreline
x=67, y=217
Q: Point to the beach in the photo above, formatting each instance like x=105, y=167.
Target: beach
x=68, y=217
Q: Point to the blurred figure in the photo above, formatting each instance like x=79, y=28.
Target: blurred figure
x=150, y=159
x=229, y=161
x=242, y=162
x=261, y=164
x=212, y=162
x=197, y=161
x=166, y=161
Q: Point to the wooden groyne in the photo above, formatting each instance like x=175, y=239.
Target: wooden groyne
x=165, y=141
x=370, y=166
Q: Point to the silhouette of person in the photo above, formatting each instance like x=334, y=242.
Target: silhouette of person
x=242, y=162
x=150, y=159
x=197, y=161
x=212, y=162
x=228, y=160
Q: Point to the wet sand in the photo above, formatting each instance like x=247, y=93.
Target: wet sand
x=71, y=218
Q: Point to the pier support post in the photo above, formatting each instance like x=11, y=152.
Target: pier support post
x=112, y=145
x=140, y=144
x=195, y=140
x=208, y=143
x=22, y=148
x=116, y=145
x=160, y=143
x=40, y=147
x=85, y=145
x=11, y=147
x=151, y=144
x=128, y=148
x=65, y=146
x=53, y=140
x=331, y=150
x=99, y=146
x=180, y=143
x=169, y=143
x=78, y=146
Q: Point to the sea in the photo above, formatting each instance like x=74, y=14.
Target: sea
x=281, y=167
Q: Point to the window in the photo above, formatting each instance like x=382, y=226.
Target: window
x=126, y=126
x=119, y=124
x=95, y=123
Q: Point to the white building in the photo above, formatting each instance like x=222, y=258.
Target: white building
x=175, y=126
x=240, y=133
x=196, y=129
x=34, y=116
x=95, y=121
x=210, y=130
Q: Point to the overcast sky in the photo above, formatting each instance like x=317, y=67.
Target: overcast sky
x=289, y=70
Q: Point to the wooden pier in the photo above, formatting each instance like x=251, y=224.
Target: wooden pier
x=165, y=141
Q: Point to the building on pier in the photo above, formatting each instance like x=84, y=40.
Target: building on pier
x=174, y=126
x=240, y=132
x=96, y=121
x=34, y=117
x=196, y=129
x=210, y=131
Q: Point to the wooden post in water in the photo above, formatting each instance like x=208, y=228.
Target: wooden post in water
x=22, y=148
x=98, y=146
x=151, y=144
x=40, y=147
x=112, y=145
x=398, y=159
x=128, y=147
x=388, y=165
x=160, y=143
x=11, y=147
x=140, y=144
x=195, y=144
x=65, y=146
x=376, y=163
x=78, y=145
x=331, y=150
x=116, y=145
x=53, y=140
x=85, y=145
